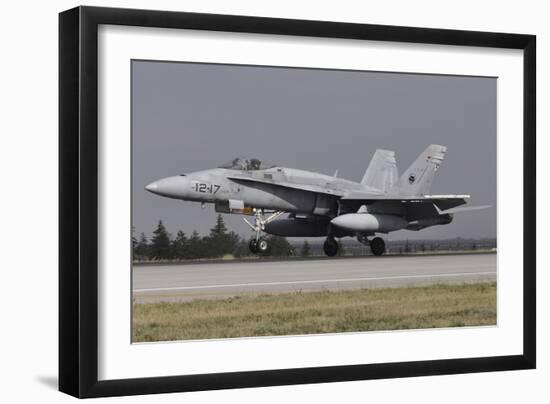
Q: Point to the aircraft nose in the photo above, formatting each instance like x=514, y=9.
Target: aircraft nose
x=171, y=187
x=152, y=187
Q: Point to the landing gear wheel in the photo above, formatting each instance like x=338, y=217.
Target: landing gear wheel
x=253, y=245
x=330, y=247
x=378, y=246
x=262, y=246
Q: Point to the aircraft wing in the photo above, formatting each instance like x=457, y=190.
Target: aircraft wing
x=286, y=184
x=464, y=209
x=442, y=202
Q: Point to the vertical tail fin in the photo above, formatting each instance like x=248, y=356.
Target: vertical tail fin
x=382, y=171
x=417, y=179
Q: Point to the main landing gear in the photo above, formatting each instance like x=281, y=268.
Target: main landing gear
x=377, y=244
x=259, y=244
x=330, y=247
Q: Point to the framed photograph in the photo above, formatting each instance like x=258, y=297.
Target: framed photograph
x=250, y=201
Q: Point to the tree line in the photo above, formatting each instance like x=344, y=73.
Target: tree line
x=218, y=243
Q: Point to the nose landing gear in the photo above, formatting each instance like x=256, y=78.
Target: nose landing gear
x=259, y=244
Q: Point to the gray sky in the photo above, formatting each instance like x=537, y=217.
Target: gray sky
x=187, y=117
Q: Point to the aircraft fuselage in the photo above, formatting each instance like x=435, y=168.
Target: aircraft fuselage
x=214, y=186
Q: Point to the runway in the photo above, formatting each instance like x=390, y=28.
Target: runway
x=216, y=280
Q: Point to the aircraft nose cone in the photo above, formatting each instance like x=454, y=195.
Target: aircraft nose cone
x=171, y=187
x=152, y=187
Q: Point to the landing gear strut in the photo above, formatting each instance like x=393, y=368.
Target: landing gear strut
x=258, y=244
x=330, y=247
x=378, y=246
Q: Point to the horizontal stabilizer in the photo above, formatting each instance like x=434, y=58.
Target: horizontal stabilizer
x=445, y=202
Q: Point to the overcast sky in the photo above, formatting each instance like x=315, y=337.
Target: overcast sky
x=187, y=117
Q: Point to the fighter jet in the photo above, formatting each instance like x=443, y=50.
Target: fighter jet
x=320, y=205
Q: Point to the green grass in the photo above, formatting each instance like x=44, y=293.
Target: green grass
x=317, y=312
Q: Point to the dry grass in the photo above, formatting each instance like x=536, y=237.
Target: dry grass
x=318, y=312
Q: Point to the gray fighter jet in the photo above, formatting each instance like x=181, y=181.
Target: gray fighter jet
x=321, y=205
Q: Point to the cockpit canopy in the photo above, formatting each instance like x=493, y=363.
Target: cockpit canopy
x=246, y=164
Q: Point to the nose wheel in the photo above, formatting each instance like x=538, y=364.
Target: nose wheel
x=259, y=244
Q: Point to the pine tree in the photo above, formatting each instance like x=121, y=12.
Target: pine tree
x=141, y=250
x=219, y=227
x=160, y=243
x=241, y=249
x=195, y=246
x=306, y=250
x=233, y=242
x=180, y=246
x=134, y=239
x=218, y=243
x=279, y=246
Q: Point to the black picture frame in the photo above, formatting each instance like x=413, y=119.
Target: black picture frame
x=78, y=201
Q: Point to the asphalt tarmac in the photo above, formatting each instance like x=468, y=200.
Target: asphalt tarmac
x=184, y=282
